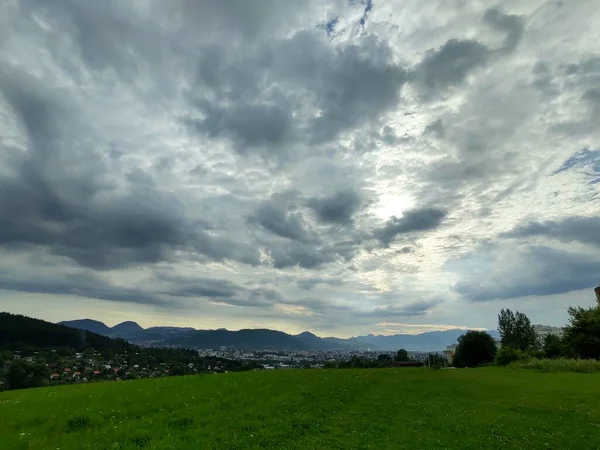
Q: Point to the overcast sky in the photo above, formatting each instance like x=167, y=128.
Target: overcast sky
x=342, y=167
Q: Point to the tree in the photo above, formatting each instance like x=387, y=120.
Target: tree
x=474, y=348
x=384, y=357
x=582, y=335
x=22, y=375
x=553, y=346
x=436, y=361
x=402, y=355
x=516, y=331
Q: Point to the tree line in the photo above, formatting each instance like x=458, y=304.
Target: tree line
x=519, y=340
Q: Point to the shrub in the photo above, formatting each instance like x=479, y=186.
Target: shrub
x=559, y=365
x=507, y=355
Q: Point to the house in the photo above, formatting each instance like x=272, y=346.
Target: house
x=67, y=370
x=96, y=372
x=76, y=374
x=54, y=376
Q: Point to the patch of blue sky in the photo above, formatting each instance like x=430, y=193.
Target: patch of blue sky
x=586, y=160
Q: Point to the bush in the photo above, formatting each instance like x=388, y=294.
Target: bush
x=559, y=365
x=507, y=355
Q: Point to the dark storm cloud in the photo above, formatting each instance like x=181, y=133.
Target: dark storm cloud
x=449, y=65
x=338, y=208
x=301, y=89
x=219, y=291
x=80, y=284
x=536, y=270
x=61, y=195
x=415, y=220
x=276, y=219
x=249, y=126
x=573, y=229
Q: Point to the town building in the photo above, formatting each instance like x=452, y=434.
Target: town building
x=545, y=330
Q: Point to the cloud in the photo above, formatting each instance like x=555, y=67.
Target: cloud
x=316, y=91
x=309, y=283
x=291, y=225
x=585, y=160
x=415, y=220
x=512, y=24
x=449, y=65
x=419, y=308
x=81, y=284
x=505, y=273
x=63, y=197
x=338, y=208
x=572, y=229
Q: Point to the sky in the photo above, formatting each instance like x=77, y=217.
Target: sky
x=342, y=167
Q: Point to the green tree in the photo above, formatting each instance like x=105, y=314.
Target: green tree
x=436, y=361
x=384, y=357
x=516, y=331
x=22, y=375
x=474, y=348
x=582, y=335
x=402, y=355
x=553, y=346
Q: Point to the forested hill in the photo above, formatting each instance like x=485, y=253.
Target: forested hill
x=18, y=332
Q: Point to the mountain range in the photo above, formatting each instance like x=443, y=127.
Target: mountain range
x=259, y=339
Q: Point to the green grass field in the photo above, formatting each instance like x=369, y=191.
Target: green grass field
x=312, y=409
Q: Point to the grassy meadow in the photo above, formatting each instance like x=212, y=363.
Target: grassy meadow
x=407, y=408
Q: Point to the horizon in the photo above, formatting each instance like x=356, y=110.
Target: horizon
x=341, y=167
x=419, y=330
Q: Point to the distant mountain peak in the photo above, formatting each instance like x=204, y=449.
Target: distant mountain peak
x=91, y=325
x=307, y=334
x=127, y=327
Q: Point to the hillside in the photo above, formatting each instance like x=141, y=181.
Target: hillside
x=18, y=331
x=312, y=410
x=432, y=340
x=93, y=326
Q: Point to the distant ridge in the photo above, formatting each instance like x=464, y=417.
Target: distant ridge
x=257, y=339
x=127, y=328
x=93, y=326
